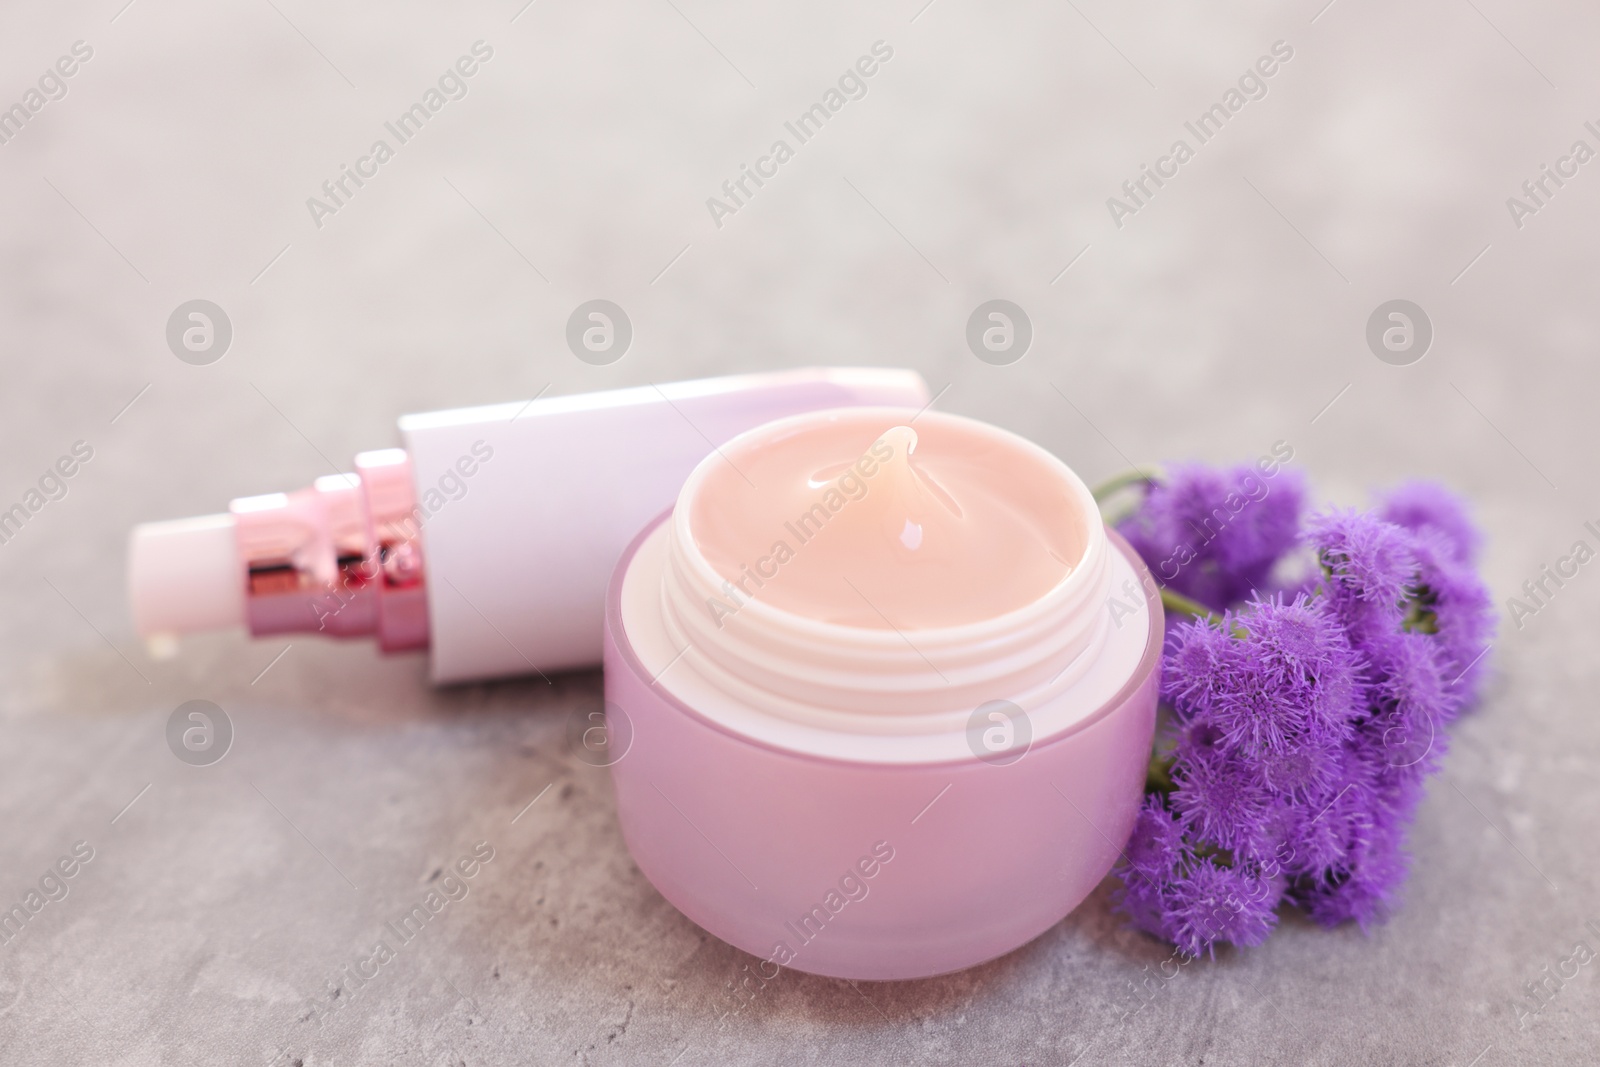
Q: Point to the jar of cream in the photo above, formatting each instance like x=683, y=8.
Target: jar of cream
x=880, y=690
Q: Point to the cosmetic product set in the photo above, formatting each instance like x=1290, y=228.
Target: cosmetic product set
x=878, y=718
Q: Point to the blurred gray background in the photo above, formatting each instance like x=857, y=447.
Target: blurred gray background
x=1228, y=313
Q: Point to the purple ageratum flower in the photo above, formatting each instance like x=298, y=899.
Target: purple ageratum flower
x=1214, y=533
x=1348, y=860
x=1420, y=506
x=1210, y=903
x=1369, y=566
x=1453, y=607
x=1273, y=677
x=1304, y=774
x=1320, y=840
x=1422, y=569
x=1139, y=897
x=1195, y=667
x=1272, y=775
x=1365, y=886
x=1201, y=903
x=1155, y=853
x=1410, y=704
x=1156, y=848
x=1451, y=600
x=1304, y=731
x=1318, y=835
x=1220, y=799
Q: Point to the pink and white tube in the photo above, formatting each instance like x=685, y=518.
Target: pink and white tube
x=489, y=539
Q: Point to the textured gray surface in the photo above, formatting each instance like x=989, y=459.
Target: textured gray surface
x=1224, y=316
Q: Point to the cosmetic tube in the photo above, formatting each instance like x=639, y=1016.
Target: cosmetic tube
x=488, y=539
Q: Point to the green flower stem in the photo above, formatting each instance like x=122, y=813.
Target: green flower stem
x=1158, y=775
x=1177, y=602
x=1122, y=481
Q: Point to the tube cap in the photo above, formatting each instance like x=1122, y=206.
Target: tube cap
x=184, y=576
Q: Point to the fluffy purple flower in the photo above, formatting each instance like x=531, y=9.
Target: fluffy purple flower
x=1364, y=887
x=1221, y=799
x=1195, y=668
x=1302, y=733
x=1420, y=506
x=1345, y=852
x=1409, y=704
x=1209, y=903
x=1368, y=566
x=1318, y=835
x=1415, y=556
x=1156, y=848
x=1308, y=771
x=1142, y=899
x=1214, y=534
x=1201, y=902
x=1274, y=676
x=1452, y=603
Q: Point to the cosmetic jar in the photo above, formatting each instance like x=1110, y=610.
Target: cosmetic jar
x=880, y=691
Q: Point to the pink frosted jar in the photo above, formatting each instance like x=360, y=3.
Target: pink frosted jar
x=811, y=794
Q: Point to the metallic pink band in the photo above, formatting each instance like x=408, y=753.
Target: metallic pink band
x=342, y=557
